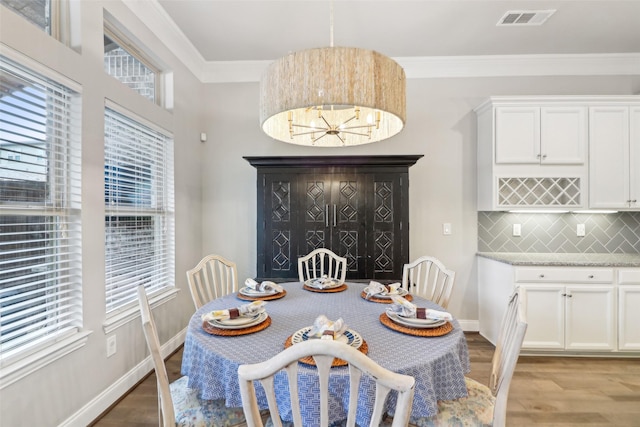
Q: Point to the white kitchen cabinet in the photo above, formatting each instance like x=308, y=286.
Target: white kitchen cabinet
x=614, y=148
x=569, y=309
x=629, y=310
x=541, y=135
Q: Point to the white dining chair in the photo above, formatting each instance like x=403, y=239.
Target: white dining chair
x=323, y=353
x=177, y=404
x=429, y=278
x=320, y=262
x=487, y=406
x=212, y=278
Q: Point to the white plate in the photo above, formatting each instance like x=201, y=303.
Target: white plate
x=416, y=323
x=253, y=293
x=400, y=292
x=349, y=336
x=221, y=324
x=310, y=284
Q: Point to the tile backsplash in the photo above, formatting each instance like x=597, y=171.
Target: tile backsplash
x=556, y=232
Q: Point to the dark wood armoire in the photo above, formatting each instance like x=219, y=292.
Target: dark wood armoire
x=357, y=206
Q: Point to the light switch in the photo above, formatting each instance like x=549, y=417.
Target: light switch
x=517, y=230
x=446, y=228
x=580, y=230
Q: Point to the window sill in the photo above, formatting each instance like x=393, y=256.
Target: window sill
x=128, y=314
x=31, y=363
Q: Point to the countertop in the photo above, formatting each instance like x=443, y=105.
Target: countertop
x=565, y=259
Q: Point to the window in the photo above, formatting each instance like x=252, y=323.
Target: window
x=128, y=68
x=139, y=209
x=52, y=16
x=40, y=241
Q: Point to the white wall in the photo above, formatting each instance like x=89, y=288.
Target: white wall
x=440, y=125
x=76, y=388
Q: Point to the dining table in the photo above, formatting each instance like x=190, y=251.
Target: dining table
x=438, y=363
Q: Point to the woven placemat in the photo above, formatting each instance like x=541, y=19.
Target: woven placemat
x=364, y=349
x=340, y=288
x=236, y=332
x=264, y=298
x=363, y=294
x=427, y=332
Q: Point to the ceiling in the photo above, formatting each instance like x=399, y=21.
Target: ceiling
x=261, y=30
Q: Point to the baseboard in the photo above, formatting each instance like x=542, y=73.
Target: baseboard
x=92, y=410
x=469, y=325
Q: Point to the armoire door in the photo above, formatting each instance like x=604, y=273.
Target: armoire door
x=333, y=217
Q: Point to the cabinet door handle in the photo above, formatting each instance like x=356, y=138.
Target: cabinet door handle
x=334, y=215
x=633, y=201
x=326, y=215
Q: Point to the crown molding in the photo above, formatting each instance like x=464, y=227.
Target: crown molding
x=159, y=22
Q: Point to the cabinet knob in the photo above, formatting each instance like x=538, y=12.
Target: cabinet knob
x=563, y=295
x=591, y=276
x=544, y=156
x=538, y=156
x=633, y=201
x=542, y=276
x=569, y=296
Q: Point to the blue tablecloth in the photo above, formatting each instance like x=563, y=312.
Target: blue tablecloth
x=437, y=363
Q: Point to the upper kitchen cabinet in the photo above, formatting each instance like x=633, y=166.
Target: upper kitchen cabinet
x=614, y=147
x=541, y=135
x=532, y=153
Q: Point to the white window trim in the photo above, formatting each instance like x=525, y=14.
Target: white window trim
x=24, y=366
x=131, y=311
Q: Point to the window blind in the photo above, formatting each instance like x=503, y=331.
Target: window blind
x=40, y=236
x=139, y=209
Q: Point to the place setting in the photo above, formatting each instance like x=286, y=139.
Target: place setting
x=377, y=292
x=324, y=284
x=263, y=291
x=325, y=329
x=242, y=320
x=404, y=316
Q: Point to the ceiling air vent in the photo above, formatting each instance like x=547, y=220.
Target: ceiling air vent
x=525, y=17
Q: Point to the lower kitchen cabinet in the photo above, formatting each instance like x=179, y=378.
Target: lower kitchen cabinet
x=570, y=317
x=629, y=310
x=575, y=310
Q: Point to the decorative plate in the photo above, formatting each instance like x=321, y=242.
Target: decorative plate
x=416, y=323
x=222, y=324
x=349, y=336
x=312, y=283
x=401, y=293
x=253, y=293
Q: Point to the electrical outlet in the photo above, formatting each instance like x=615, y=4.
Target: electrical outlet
x=580, y=230
x=111, y=345
x=517, y=230
x=446, y=228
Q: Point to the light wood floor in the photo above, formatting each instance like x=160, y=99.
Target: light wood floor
x=545, y=391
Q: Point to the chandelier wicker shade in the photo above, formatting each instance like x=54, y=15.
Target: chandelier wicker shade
x=333, y=96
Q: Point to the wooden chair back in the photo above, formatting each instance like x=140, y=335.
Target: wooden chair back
x=430, y=279
x=323, y=353
x=322, y=262
x=212, y=278
x=505, y=357
x=165, y=402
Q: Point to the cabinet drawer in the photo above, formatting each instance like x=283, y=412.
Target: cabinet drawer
x=564, y=275
x=629, y=277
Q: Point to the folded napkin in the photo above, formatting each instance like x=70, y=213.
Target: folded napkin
x=231, y=313
x=322, y=282
x=376, y=288
x=265, y=286
x=404, y=308
x=324, y=328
